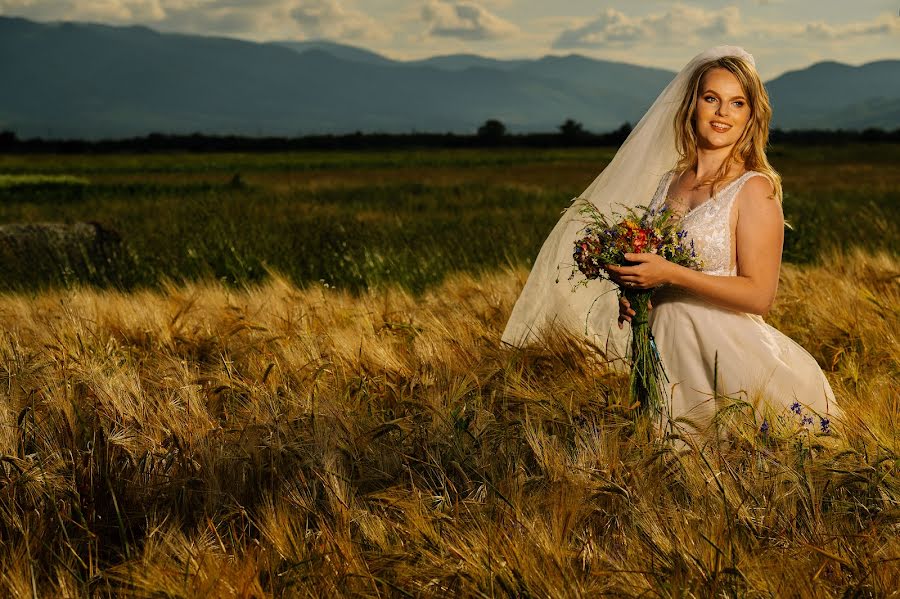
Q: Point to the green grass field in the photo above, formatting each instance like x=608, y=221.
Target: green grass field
x=357, y=220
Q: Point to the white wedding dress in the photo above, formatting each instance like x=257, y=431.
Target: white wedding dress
x=700, y=343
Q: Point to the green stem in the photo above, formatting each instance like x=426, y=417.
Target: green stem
x=646, y=368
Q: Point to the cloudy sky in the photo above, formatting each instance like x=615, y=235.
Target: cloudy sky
x=781, y=34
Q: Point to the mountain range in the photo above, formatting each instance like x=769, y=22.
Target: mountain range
x=92, y=81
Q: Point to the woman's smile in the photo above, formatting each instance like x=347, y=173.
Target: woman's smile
x=721, y=112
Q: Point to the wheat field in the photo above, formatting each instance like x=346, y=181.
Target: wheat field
x=206, y=440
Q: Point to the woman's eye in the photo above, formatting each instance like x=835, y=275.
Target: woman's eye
x=739, y=103
x=709, y=98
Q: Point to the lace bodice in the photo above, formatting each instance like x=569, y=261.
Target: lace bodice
x=708, y=224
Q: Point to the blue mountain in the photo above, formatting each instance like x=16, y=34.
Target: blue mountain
x=90, y=81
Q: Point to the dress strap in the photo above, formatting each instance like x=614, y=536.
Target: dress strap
x=737, y=185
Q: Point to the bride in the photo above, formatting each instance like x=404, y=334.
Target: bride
x=700, y=151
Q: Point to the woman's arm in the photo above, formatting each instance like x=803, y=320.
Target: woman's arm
x=759, y=236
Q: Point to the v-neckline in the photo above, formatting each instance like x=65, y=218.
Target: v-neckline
x=704, y=202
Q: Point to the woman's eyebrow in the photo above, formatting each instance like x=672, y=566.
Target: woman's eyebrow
x=709, y=91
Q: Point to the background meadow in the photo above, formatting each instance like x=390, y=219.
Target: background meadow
x=287, y=381
x=361, y=219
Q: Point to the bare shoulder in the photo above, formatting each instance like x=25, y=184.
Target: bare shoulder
x=757, y=196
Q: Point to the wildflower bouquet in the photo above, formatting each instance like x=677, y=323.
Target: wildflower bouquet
x=606, y=241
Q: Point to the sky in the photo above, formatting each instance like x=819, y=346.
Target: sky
x=782, y=35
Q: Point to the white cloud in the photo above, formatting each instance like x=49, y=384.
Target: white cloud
x=199, y=16
x=883, y=25
x=679, y=25
x=464, y=19
x=330, y=18
x=111, y=11
x=687, y=25
x=258, y=19
x=780, y=34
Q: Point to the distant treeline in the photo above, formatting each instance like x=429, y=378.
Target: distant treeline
x=492, y=133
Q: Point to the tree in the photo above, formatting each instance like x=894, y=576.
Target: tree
x=8, y=139
x=619, y=136
x=492, y=129
x=624, y=130
x=571, y=129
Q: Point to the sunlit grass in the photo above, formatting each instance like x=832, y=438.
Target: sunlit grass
x=7, y=181
x=204, y=440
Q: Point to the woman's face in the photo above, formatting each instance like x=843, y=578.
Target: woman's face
x=722, y=110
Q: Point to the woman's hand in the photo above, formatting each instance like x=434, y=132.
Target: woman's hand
x=650, y=271
x=625, y=311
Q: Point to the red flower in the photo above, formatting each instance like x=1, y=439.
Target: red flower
x=640, y=240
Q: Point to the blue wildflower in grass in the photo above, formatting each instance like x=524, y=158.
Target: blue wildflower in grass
x=765, y=427
x=825, y=424
x=795, y=408
x=807, y=420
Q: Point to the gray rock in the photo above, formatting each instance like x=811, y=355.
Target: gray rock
x=41, y=253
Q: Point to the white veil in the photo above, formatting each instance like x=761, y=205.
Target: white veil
x=631, y=179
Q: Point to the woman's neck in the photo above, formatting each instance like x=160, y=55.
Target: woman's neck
x=709, y=161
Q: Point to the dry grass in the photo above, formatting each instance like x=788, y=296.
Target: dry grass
x=276, y=441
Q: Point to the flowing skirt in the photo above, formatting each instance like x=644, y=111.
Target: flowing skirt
x=702, y=345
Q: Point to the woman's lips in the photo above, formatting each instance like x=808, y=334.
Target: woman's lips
x=720, y=128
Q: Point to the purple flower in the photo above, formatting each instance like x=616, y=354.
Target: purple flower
x=765, y=427
x=795, y=407
x=825, y=424
x=807, y=420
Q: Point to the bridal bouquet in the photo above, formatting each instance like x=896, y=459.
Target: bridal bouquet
x=606, y=241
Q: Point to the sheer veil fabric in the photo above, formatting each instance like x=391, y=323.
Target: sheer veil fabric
x=630, y=180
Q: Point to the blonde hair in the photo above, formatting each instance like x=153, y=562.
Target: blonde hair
x=751, y=146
